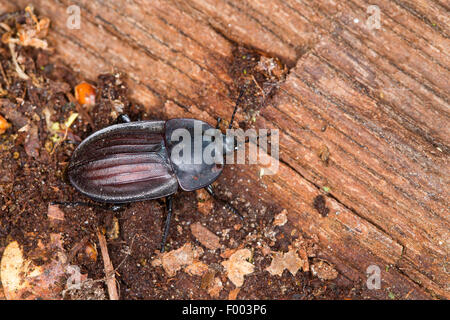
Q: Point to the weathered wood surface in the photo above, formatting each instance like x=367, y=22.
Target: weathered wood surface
x=383, y=96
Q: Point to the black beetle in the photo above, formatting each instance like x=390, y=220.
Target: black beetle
x=131, y=161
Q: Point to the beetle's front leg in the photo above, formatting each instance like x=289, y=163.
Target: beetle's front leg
x=167, y=224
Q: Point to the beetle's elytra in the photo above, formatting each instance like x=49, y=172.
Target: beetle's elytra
x=131, y=162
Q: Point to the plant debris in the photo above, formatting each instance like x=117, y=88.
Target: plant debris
x=24, y=279
x=281, y=261
x=29, y=33
x=177, y=259
x=237, y=266
x=324, y=270
x=280, y=219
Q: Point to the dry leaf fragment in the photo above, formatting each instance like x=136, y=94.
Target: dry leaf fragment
x=21, y=279
x=31, y=33
x=289, y=260
x=205, y=237
x=265, y=250
x=238, y=266
x=176, y=259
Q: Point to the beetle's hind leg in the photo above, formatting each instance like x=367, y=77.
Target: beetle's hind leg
x=210, y=190
x=167, y=224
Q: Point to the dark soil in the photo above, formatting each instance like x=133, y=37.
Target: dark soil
x=32, y=174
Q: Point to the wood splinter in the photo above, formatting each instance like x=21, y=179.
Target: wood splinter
x=109, y=269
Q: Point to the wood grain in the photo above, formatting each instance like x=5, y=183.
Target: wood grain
x=382, y=95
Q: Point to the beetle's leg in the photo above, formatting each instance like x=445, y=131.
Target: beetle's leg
x=167, y=224
x=113, y=208
x=210, y=190
x=123, y=118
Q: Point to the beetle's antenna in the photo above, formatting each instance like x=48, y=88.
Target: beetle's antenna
x=235, y=107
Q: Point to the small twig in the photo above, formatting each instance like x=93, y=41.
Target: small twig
x=109, y=269
x=19, y=70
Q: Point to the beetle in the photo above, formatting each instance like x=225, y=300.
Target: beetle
x=132, y=161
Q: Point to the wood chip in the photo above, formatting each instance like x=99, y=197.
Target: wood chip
x=205, y=237
x=109, y=269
